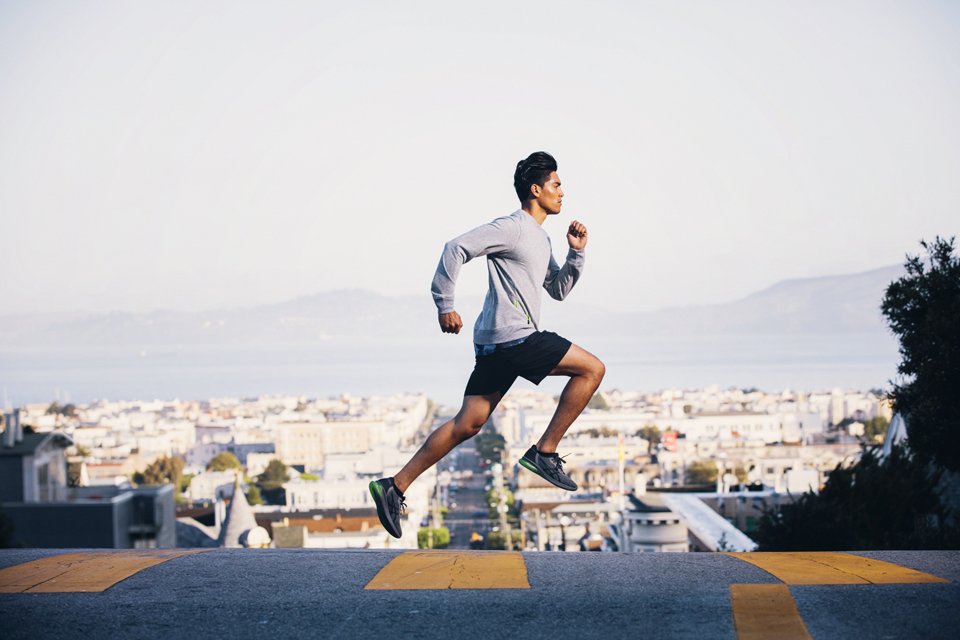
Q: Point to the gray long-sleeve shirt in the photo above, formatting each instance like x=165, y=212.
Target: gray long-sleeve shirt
x=520, y=262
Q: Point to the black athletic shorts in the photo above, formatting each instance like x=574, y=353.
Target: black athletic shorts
x=533, y=359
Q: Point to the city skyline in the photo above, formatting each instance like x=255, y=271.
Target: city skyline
x=165, y=157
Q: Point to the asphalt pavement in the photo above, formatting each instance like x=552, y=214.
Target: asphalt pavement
x=306, y=593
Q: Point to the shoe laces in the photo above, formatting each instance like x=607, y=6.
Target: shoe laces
x=398, y=507
x=560, y=460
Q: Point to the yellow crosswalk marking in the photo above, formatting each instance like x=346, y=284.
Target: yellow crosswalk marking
x=816, y=567
x=762, y=611
x=453, y=570
x=87, y=571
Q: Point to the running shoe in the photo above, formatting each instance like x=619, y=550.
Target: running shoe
x=548, y=466
x=390, y=504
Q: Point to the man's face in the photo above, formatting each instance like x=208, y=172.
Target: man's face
x=550, y=195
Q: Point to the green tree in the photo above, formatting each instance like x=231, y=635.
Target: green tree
x=274, y=475
x=651, y=434
x=874, y=504
x=185, y=482
x=603, y=432
x=493, y=501
x=489, y=443
x=875, y=429
x=701, y=473
x=894, y=503
x=923, y=310
x=68, y=410
x=497, y=540
x=441, y=538
x=741, y=473
x=223, y=462
x=163, y=470
x=253, y=495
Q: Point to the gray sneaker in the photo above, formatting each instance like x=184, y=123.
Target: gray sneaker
x=548, y=466
x=390, y=504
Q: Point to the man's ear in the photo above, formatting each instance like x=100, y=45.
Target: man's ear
x=535, y=190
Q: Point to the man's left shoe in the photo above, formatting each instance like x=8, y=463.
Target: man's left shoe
x=548, y=466
x=390, y=504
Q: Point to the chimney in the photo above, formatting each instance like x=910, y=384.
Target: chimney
x=18, y=428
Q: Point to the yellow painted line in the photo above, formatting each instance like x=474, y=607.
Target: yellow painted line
x=453, y=570
x=821, y=567
x=89, y=571
x=762, y=611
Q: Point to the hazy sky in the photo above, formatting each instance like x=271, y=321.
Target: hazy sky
x=195, y=155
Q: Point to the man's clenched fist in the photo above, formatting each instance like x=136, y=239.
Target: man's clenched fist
x=577, y=236
x=450, y=322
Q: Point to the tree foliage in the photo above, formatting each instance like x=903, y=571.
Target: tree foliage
x=651, y=434
x=875, y=429
x=497, y=540
x=69, y=410
x=185, y=482
x=441, y=537
x=894, y=503
x=874, y=504
x=253, y=495
x=923, y=310
x=493, y=503
x=163, y=470
x=489, y=443
x=223, y=461
x=701, y=472
x=602, y=432
x=274, y=475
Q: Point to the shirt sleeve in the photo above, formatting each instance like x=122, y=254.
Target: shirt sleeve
x=560, y=280
x=494, y=237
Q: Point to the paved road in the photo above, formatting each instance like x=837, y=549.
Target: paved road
x=305, y=593
x=470, y=498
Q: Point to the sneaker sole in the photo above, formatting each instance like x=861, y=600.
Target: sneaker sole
x=526, y=464
x=377, y=493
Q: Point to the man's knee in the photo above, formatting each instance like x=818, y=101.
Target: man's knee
x=467, y=426
x=596, y=370
x=601, y=369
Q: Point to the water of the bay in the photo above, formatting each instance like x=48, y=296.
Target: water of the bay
x=438, y=367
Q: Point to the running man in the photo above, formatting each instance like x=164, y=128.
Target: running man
x=507, y=338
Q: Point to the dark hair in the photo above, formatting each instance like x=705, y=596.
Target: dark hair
x=535, y=169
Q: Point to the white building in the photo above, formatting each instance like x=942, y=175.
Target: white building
x=204, y=486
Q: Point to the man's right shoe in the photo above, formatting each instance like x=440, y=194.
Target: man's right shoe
x=390, y=504
x=548, y=466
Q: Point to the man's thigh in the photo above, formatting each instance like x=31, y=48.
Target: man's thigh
x=577, y=361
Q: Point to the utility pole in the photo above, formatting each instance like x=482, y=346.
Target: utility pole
x=435, y=519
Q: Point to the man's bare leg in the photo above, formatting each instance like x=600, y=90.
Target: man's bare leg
x=586, y=372
x=466, y=424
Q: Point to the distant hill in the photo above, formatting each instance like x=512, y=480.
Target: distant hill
x=830, y=304
x=833, y=304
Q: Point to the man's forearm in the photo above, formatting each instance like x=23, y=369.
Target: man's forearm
x=566, y=277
